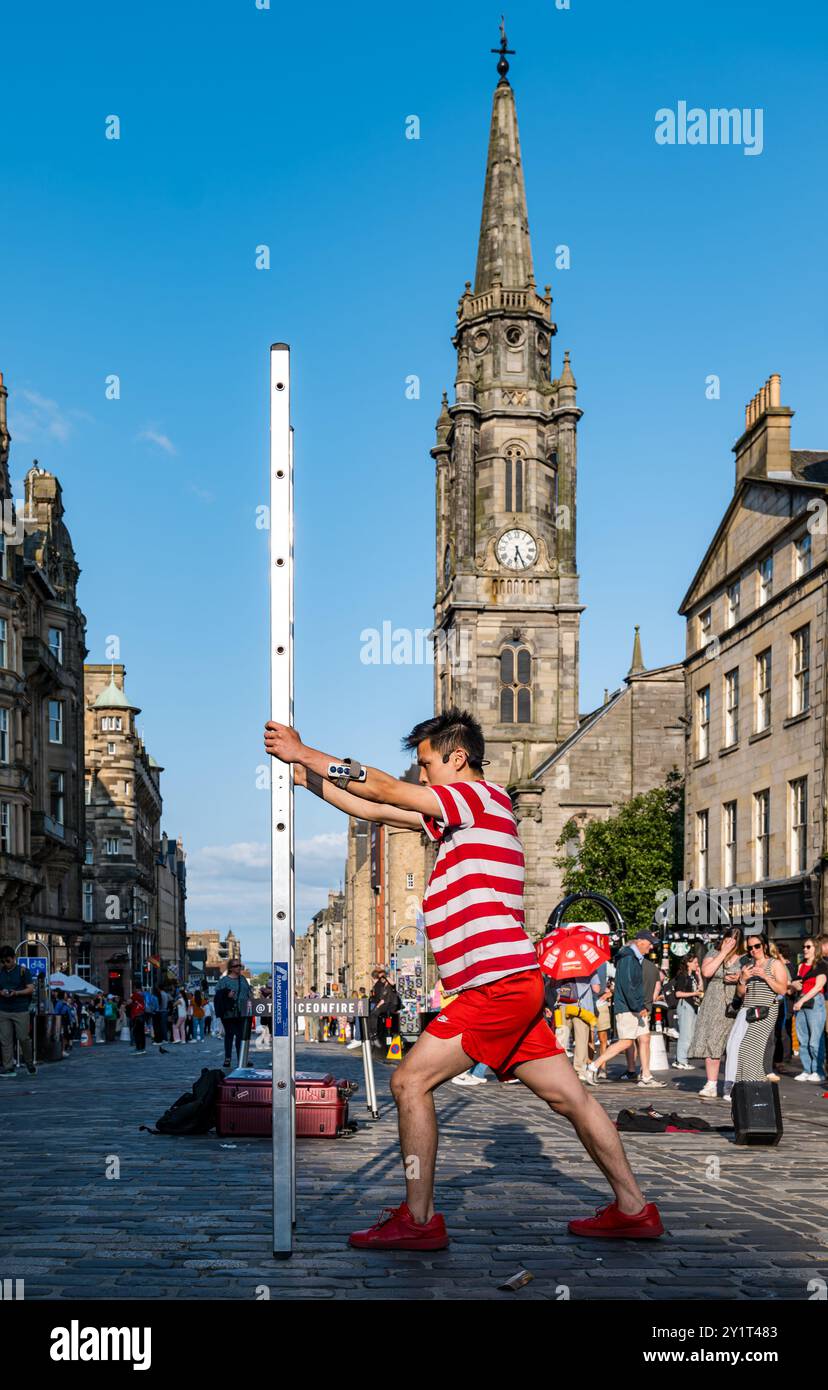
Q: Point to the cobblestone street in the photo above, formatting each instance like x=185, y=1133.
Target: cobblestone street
x=190, y=1217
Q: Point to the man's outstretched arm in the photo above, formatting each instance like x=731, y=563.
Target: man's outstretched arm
x=283, y=742
x=355, y=805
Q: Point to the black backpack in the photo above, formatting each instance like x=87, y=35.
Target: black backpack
x=668, y=994
x=225, y=1003
x=195, y=1111
x=652, y=1121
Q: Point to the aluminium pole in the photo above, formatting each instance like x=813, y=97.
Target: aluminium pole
x=281, y=802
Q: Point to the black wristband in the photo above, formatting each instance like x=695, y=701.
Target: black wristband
x=316, y=783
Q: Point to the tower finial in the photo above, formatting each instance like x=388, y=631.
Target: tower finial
x=637, y=663
x=503, y=66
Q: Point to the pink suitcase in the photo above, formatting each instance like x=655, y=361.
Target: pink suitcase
x=322, y=1105
x=244, y=1104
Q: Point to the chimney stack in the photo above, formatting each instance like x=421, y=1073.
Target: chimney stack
x=765, y=447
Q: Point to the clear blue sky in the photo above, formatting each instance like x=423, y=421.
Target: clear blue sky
x=286, y=127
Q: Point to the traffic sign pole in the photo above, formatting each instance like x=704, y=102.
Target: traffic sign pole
x=47, y=981
x=281, y=804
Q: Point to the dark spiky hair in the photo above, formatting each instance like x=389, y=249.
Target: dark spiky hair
x=454, y=728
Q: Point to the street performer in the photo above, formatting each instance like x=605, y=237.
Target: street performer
x=474, y=919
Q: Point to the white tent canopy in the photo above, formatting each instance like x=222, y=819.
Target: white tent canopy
x=73, y=983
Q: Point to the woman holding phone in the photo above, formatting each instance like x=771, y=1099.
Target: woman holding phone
x=720, y=972
x=761, y=981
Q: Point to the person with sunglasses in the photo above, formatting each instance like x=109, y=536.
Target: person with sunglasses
x=714, y=1020
x=233, y=1006
x=760, y=983
x=811, y=981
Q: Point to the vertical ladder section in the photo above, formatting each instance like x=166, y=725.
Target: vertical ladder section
x=281, y=803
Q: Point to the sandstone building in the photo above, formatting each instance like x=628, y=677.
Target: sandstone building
x=324, y=949
x=121, y=870
x=213, y=953
x=169, y=913
x=756, y=697
x=42, y=648
x=386, y=872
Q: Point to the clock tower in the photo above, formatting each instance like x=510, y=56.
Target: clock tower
x=507, y=613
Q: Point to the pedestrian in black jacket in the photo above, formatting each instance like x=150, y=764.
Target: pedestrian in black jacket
x=385, y=1005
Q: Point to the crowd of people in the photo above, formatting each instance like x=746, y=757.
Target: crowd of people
x=152, y=1015
x=165, y=1015
x=750, y=1003
x=741, y=1008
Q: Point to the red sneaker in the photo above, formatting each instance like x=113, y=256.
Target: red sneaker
x=610, y=1223
x=397, y=1230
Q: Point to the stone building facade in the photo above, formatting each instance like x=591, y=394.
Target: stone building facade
x=324, y=949
x=123, y=815
x=300, y=967
x=215, y=951
x=360, y=908
x=169, y=913
x=756, y=616
x=507, y=609
x=42, y=649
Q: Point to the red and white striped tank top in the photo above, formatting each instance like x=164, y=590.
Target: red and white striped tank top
x=473, y=905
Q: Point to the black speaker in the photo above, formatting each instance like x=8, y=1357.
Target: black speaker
x=757, y=1113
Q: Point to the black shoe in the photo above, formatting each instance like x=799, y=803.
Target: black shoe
x=31, y=1068
x=628, y=1076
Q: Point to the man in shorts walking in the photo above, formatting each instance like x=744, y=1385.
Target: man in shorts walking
x=632, y=1013
x=474, y=919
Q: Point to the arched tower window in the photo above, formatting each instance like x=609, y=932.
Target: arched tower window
x=513, y=465
x=515, y=684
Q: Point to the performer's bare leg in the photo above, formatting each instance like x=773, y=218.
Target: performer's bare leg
x=430, y=1062
x=553, y=1080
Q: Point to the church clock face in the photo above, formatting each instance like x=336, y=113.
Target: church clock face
x=517, y=550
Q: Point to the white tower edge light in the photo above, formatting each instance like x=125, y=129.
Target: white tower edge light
x=281, y=804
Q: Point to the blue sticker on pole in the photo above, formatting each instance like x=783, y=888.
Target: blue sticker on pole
x=281, y=1000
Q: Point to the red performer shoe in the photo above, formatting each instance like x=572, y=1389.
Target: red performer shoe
x=609, y=1223
x=396, y=1229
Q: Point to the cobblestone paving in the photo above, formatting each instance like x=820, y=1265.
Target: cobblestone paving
x=190, y=1217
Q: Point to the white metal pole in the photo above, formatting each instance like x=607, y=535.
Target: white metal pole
x=368, y=1070
x=281, y=802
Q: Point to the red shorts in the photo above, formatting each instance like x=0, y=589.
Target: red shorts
x=501, y=1024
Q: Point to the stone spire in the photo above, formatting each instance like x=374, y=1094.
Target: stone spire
x=443, y=422
x=504, y=254
x=637, y=664
x=566, y=382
